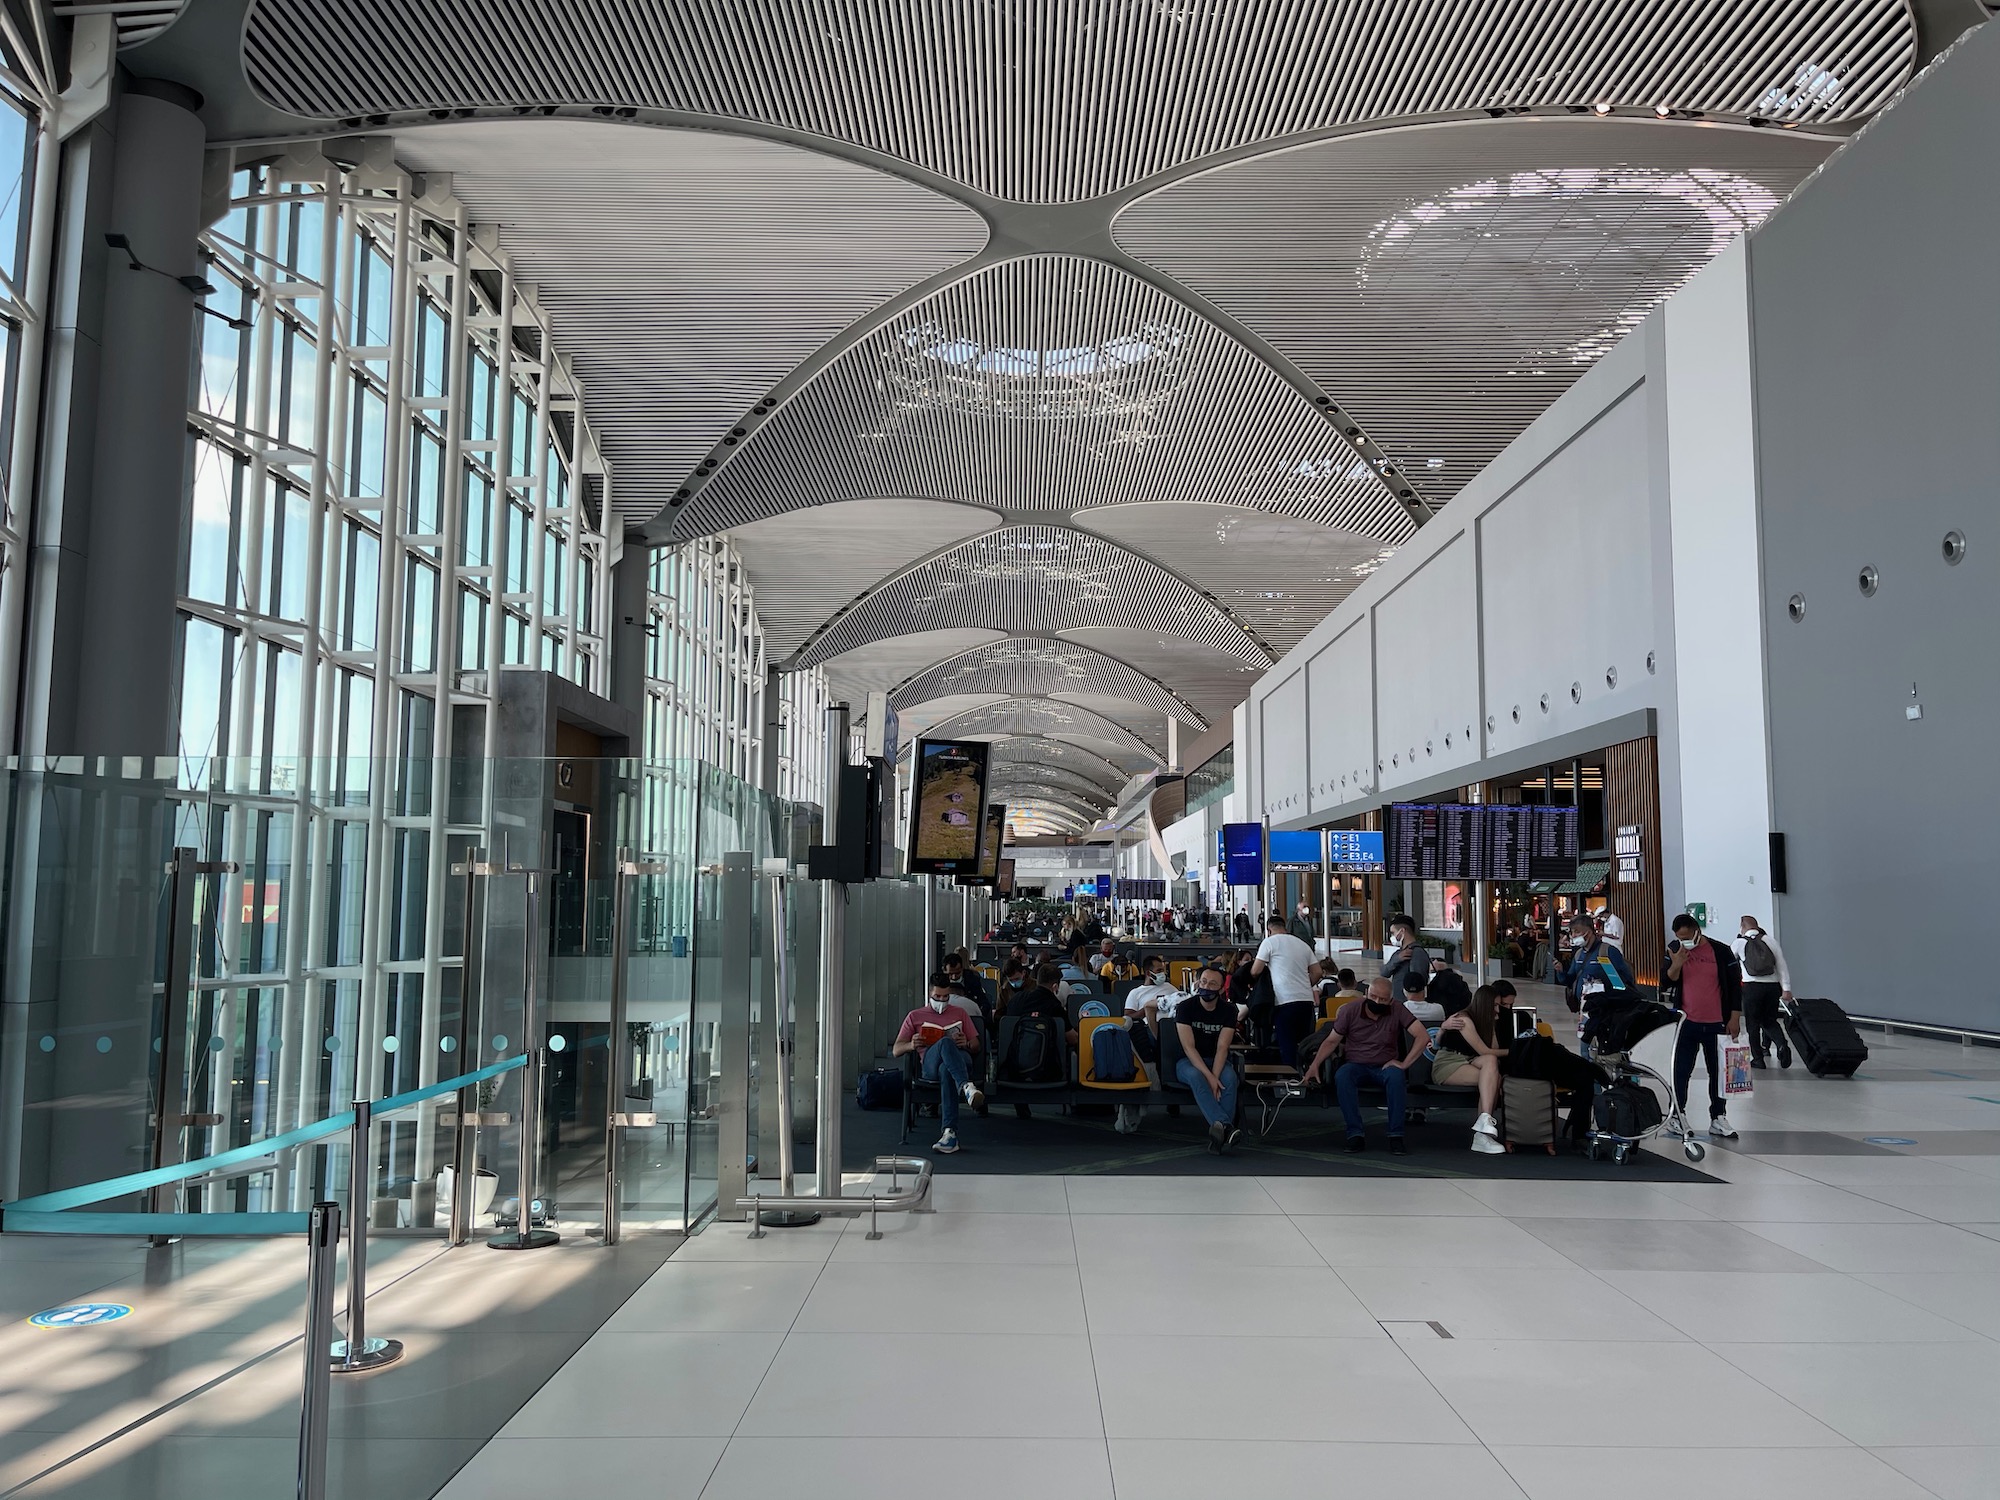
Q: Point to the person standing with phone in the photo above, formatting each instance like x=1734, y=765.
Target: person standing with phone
x=1707, y=984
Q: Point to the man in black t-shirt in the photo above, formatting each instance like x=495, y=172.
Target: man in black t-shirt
x=1207, y=1026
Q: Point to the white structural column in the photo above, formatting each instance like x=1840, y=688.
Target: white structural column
x=1725, y=779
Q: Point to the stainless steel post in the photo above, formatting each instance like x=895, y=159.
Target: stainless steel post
x=322, y=1244
x=930, y=936
x=832, y=964
x=781, y=1018
x=358, y=1351
x=472, y=967
x=525, y=1235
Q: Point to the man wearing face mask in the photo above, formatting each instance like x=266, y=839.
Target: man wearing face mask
x=1207, y=1025
x=1594, y=968
x=1380, y=1039
x=944, y=1034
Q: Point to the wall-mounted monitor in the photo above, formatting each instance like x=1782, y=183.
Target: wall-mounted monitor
x=990, y=841
x=947, y=807
x=1003, y=883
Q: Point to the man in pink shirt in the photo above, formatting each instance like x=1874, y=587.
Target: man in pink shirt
x=1709, y=983
x=942, y=1031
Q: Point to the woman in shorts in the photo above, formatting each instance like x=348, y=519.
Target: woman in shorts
x=1469, y=1051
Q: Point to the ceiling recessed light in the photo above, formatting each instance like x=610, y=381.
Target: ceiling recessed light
x=1663, y=110
x=1601, y=107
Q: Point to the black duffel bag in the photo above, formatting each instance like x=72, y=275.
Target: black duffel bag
x=1626, y=1109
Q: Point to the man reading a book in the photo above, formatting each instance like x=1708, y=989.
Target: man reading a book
x=942, y=1032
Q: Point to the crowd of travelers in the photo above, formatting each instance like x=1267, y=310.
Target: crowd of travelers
x=1416, y=1021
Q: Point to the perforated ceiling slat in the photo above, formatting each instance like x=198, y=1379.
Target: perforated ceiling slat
x=1074, y=760
x=1037, y=716
x=1059, y=100
x=1040, y=579
x=1447, y=284
x=685, y=272
x=1031, y=668
x=1047, y=385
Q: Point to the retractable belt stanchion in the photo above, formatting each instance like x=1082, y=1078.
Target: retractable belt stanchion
x=783, y=1218
x=322, y=1244
x=357, y=1351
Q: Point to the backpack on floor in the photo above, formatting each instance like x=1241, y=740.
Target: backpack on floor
x=1626, y=1109
x=1111, y=1055
x=880, y=1088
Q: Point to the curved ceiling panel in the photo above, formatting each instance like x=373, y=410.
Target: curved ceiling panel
x=808, y=565
x=879, y=666
x=1039, y=387
x=686, y=272
x=1447, y=283
x=1043, y=818
x=1213, y=681
x=1073, y=760
x=1279, y=575
x=1040, y=716
x=1012, y=774
x=1041, y=579
x=1029, y=668
x=1051, y=794
x=1057, y=100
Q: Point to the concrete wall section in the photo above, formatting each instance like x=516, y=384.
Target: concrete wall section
x=1876, y=325
x=1725, y=788
x=1281, y=744
x=1544, y=578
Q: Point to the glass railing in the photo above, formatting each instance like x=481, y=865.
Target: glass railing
x=205, y=967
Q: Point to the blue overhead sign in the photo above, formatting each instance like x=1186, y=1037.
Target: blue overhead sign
x=1296, y=850
x=1243, y=853
x=1354, y=850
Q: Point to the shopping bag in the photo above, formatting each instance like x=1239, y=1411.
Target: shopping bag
x=1736, y=1076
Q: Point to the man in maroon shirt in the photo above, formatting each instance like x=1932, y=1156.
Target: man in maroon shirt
x=1708, y=981
x=1379, y=1040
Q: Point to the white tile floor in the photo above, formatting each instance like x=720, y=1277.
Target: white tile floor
x=1816, y=1327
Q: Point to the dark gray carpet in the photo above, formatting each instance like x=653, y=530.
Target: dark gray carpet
x=1307, y=1142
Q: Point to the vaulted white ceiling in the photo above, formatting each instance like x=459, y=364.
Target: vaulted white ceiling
x=1055, y=364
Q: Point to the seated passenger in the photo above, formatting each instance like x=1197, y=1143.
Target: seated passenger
x=1013, y=984
x=1471, y=1047
x=1207, y=1023
x=1379, y=1040
x=968, y=980
x=1338, y=990
x=944, y=1034
x=1045, y=999
x=1153, y=995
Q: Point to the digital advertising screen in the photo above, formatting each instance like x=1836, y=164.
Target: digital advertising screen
x=1296, y=850
x=1243, y=853
x=992, y=840
x=1356, y=851
x=1003, y=883
x=947, y=806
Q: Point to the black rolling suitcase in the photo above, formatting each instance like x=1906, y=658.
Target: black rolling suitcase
x=1824, y=1038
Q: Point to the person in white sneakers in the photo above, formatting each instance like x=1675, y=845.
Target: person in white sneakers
x=1705, y=983
x=1469, y=1049
x=941, y=1030
x=1767, y=981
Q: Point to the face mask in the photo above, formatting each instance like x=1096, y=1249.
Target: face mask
x=935, y=1004
x=1209, y=995
x=1016, y=984
x=1578, y=940
x=1375, y=1008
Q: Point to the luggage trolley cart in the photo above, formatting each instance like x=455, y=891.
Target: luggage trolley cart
x=1648, y=1061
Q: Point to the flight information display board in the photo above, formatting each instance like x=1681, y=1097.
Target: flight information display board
x=1469, y=841
x=1142, y=890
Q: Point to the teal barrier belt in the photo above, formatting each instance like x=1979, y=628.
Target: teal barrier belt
x=45, y=1213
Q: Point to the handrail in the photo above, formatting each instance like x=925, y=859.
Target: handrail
x=46, y=1213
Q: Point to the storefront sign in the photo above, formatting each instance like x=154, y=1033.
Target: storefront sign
x=1631, y=852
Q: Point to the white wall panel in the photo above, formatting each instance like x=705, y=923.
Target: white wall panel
x=1718, y=625
x=1340, y=698
x=1283, y=778
x=1427, y=658
x=1570, y=586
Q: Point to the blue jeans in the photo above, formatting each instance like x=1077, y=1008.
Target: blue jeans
x=946, y=1066
x=1215, y=1111
x=1347, y=1084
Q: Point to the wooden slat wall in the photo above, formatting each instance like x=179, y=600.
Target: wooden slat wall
x=1632, y=795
